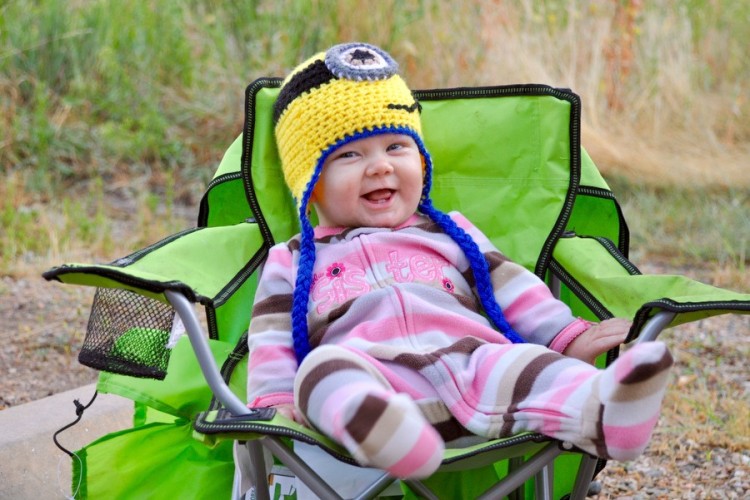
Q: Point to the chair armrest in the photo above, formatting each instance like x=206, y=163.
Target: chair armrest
x=204, y=265
x=200, y=263
x=611, y=286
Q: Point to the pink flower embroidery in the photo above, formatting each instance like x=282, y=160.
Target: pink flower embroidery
x=335, y=270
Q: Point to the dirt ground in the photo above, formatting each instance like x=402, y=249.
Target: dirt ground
x=701, y=448
x=43, y=326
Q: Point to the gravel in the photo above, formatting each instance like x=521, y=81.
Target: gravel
x=701, y=448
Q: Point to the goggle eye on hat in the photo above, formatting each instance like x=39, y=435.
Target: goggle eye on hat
x=350, y=92
x=358, y=61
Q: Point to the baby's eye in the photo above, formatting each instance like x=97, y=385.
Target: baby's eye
x=395, y=146
x=346, y=154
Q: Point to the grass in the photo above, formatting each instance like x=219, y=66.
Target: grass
x=689, y=227
x=92, y=226
x=104, y=103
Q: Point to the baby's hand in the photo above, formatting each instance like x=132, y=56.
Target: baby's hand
x=290, y=411
x=600, y=338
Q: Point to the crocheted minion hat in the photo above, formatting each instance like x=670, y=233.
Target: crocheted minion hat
x=350, y=92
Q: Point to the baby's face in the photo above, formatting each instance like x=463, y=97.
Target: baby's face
x=371, y=182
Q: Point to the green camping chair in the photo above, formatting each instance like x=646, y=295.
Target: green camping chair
x=508, y=157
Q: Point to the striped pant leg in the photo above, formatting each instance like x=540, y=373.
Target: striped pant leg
x=346, y=398
x=610, y=413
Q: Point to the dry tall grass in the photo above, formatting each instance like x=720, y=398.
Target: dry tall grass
x=664, y=84
x=140, y=93
x=663, y=104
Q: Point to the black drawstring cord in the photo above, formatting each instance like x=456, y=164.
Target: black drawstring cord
x=79, y=413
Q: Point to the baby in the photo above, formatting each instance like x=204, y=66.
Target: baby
x=393, y=327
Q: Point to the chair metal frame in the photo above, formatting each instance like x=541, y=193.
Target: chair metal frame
x=539, y=466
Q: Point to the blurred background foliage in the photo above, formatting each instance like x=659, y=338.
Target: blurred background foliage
x=120, y=110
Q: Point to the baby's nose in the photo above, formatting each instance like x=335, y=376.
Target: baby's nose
x=379, y=166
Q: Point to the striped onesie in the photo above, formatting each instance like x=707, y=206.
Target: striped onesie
x=403, y=359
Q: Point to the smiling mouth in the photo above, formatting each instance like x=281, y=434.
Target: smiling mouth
x=379, y=196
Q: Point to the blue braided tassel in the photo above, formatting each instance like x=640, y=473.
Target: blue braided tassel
x=301, y=294
x=478, y=266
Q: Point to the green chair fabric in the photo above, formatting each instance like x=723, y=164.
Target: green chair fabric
x=508, y=157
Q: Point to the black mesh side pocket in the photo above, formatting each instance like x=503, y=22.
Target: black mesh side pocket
x=127, y=334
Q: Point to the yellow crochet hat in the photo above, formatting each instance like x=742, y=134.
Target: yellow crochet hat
x=349, y=92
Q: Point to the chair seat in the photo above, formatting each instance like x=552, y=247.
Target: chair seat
x=220, y=425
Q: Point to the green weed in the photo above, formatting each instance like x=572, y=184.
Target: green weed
x=687, y=227
x=104, y=97
x=96, y=87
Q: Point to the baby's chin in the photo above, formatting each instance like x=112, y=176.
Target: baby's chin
x=392, y=222
x=369, y=214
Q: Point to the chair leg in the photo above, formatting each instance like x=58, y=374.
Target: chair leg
x=299, y=468
x=544, y=483
x=258, y=472
x=419, y=488
x=584, y=477
x=514, y=464
x=375, y=488
x=516, y=478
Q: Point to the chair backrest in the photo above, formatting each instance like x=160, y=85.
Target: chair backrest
x=508, y=157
